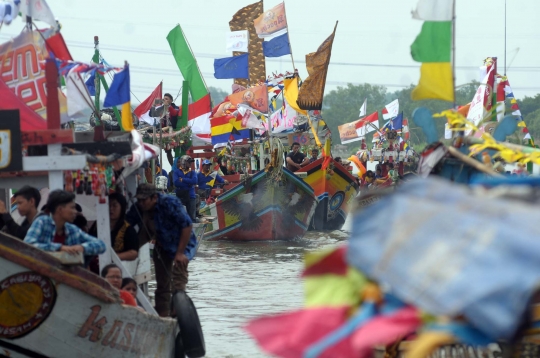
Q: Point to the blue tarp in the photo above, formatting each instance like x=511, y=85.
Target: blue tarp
x=450, y=252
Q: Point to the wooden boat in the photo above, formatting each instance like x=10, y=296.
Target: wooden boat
x=48, y=309
x=335, y=187
x=261, y=207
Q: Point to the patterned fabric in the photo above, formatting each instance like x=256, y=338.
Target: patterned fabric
x=243, y=20
x=41, y=235
x=311, y=92
x=170, y=218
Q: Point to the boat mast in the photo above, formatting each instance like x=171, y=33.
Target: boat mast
x=289, y=38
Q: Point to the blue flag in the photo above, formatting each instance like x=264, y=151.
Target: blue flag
x=119, y=92
x=397, y=123
x=231, y=67
x=278, y=46
x=91, y=83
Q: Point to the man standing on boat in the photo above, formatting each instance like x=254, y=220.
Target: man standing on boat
x=184, y=181
x=314, y=155
x=164, y=220
x=27, y=199
x=205, y=181
x=295, y=158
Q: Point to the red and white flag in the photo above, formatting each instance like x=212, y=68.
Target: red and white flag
x=405, y=129
x=368, y=124
x=391, y=110
x=143, y=110
x=199, y=115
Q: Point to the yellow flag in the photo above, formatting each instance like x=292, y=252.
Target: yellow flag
x=127, y=120
x=334, y=290
x=291, y=94
x=435, y=82
x=326, y=149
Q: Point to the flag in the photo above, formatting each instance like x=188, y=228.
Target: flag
x=119, y=94
x=291, y=94
x=434, y=10
x=367, y=124
x=79, y=102
x=199, y=115
x=243, y=20
x=476, y=110
x=231, y=67
x=237, y=41
x=256, y=97
x=277, y=47
x=222, y=129
x=213, y=181
x=432, y=48
x=91, y=83
x=391, y=110
x=186, y=63
x=272, y=22
x=311, y=93
x=143, y=110
x=249, y=120
x=363, y=109
x=37, y=10
x=405, y=129
x=58, y=46
x=397, y=123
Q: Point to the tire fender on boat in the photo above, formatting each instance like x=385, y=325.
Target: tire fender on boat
x=191, y=334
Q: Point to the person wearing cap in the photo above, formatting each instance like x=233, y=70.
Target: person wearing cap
x=184, y=181
x=27, y=199
x=55, y=232
x=204, y=178
x=164, y=220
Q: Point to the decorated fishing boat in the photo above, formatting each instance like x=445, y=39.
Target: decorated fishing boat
x=335, y=188
x=272, y=204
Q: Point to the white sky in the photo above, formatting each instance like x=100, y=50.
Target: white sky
x=376, y=32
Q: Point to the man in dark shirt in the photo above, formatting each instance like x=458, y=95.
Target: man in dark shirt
x=295, y=158
x=27, y=199
x=165, y=220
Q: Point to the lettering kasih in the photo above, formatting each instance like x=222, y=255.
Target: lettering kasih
x=21, y=69
x=119, y=335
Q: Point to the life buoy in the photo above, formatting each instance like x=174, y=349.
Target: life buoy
x=191, y=333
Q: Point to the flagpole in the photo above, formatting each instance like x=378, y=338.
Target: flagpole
x=289, y=38
x=454, y=51
x=505, y=37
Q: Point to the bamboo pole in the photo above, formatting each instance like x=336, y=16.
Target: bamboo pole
x=289, y=38
x=473, y=163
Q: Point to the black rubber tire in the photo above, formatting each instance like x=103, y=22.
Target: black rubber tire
x=179, y=347
x=190, y=326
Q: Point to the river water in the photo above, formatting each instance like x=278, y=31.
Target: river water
x=233, y=282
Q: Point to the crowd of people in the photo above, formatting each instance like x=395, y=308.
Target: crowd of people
x=155, y=217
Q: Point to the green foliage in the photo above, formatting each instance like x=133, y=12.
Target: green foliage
x=217, y=95
x=342, y=106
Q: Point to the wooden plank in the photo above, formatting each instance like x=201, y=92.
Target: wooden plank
x=56, y=163
x=49, y=136
x=102, y=148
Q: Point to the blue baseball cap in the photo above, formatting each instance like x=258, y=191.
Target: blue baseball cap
x=206, y=162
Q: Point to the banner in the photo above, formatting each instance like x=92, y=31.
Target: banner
x=282, y=120
x=272, y=22
x=20, y=69
x=256, y=97
x=237, y=41
x=243, y=20
x=347, y=132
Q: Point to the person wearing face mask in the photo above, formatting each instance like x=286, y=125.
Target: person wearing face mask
x=295, y=158
x=55, y=231
x=27, y=199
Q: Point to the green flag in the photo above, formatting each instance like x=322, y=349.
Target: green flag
x=186, y=63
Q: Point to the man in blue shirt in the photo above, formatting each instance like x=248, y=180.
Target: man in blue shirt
x=204, y=177
x=162, y=218
x=54, y=232
x=184, y=181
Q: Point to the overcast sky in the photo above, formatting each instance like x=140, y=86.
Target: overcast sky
x=371, y=45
